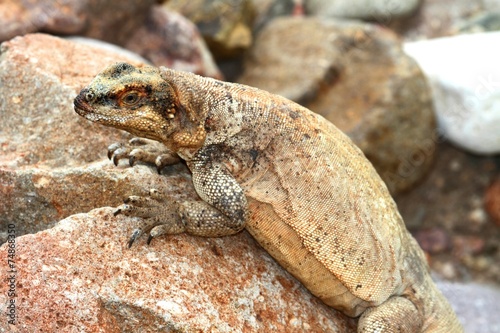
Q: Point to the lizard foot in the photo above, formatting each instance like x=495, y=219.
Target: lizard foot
x=144, y=150
x=159, y=215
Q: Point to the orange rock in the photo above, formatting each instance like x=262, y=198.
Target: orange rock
x=81, y=274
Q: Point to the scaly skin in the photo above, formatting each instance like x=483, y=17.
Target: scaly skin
x=291, y=178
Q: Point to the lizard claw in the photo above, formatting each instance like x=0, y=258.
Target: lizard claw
x=115, y=160
x=113, y=148
x=150, y=238
x=135, y=235
x=116, y=152
x=131, y=160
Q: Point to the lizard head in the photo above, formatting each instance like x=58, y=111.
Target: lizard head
x=138, y=100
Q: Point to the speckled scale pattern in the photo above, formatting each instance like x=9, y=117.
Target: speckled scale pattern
x=294, y=181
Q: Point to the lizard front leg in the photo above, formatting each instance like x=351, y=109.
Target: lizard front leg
x=222, y=211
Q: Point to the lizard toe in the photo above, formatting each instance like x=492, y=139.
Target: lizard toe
x=114, y=147
x=118, y=154
x=165, y=160
x=135, y=234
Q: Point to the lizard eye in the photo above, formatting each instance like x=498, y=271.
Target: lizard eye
x=130, y=99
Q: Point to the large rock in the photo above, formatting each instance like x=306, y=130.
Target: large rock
x=226, y=25
x=169, y=39
x=81, y=274
x=357, y=76
x=465, y=79
x=39, y=77
x=73, y=17
x=36, y=198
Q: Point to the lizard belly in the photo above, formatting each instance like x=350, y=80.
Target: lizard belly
x=285, y=246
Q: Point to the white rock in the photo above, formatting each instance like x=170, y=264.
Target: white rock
x=464, y=74
x=381, y=10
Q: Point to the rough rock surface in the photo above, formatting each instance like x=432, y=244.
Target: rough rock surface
x=225, y=24
x=80, y=277
x=36, y=198
x=357, y=76
x=39, y=77
x=169, y=39
x=73, y=17
x=465, y=79
x=379, y=10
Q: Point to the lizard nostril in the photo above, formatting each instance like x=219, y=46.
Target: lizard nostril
x=89, y=96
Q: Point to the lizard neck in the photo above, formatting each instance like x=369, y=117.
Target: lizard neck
x=213, y=107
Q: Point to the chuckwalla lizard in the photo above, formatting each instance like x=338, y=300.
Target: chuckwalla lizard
x=298, y=184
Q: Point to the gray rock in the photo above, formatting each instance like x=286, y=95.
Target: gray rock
x=483, y=22
x=267, y=10
x=477, y=306
x=380, y=10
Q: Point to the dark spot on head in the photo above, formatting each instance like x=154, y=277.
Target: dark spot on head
x=148, y=88
x=294, y=115
x=122, y=68
x=111, y=95
x=359, y=286
x=254, y=153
